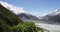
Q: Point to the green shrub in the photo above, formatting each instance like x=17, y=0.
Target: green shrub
x=25, y=27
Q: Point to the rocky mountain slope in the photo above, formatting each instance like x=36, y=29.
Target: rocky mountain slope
x=53, y=18
x=25, y=16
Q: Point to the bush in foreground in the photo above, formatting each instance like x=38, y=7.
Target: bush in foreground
x=25, y=27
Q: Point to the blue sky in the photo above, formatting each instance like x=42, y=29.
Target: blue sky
x=36, y=6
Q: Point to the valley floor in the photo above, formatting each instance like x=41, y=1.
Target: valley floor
x=48, y=27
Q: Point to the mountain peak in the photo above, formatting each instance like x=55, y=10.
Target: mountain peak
x=57, y=10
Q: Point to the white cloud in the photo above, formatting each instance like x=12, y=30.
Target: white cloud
x=13, y=8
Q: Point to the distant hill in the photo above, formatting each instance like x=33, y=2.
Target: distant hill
x=27, y=17
x=7, y=18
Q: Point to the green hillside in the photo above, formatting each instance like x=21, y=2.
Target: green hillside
x=7, y=19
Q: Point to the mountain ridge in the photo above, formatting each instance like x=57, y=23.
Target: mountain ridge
x=53, y=17
x=25, y=16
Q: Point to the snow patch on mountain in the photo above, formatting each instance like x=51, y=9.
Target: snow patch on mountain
x=15, y=9
x=53, y=13
x=57, y=11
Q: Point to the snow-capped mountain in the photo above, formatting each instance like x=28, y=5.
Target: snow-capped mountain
x=53, y=17
x=55, y=12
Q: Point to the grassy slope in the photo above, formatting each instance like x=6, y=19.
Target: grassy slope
x=7, y=18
